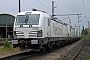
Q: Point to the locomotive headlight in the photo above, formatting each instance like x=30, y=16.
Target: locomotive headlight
x=39, y=33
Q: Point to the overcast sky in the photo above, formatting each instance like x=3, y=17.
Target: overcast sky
x=63, y=7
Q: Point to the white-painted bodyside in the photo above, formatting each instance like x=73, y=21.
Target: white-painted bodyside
x=50, y=28
x=72, y=32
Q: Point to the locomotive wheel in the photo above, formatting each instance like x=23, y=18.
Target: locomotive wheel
x=43, y=49
x=50, y=45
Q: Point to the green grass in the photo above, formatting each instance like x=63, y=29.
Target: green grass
x=85, y=36
x=2, y=49
x=7, y=48
x=5, y=51
x=88, y=57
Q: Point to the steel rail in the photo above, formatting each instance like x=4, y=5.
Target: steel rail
x=24, y=58
x=78, y=52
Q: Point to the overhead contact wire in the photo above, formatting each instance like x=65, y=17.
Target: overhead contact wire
x=44, y=5
x=65, y=7
x=84, y=8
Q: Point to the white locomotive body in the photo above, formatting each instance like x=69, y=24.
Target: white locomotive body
x=36, y=30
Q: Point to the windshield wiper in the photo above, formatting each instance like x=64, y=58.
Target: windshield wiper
x=30, y=25
x=22, y=24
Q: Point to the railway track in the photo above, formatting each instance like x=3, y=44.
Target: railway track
x=35, y=55
x=82, y=55
x=17, y=56
x=79, y=50
x=29, y=57
x=26, y=55
x=39, y=55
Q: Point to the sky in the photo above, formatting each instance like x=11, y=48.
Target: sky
x=61, y=7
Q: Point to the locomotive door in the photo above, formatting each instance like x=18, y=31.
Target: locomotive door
x=49, y=28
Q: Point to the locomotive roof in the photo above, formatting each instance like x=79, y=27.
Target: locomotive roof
x=40, y=12
x=60, y=21
x=33, y=12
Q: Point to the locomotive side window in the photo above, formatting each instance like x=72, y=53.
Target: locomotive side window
x=21, y=19
x=48, y=22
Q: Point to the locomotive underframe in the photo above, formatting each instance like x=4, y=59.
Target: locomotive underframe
x=43, y=43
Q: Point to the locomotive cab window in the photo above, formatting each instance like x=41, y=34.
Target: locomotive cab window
x=32, y=19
